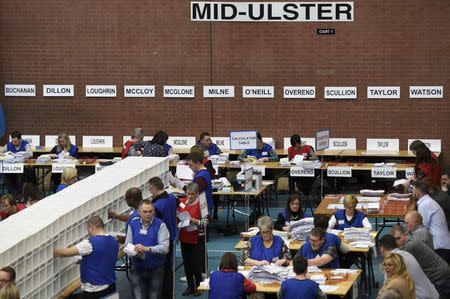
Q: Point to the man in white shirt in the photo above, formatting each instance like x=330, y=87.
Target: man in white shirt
x=99, y=254
x=424, y=288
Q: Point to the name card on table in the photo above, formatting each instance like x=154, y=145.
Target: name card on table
x=243, y=140
x=222, y=142
x=99, y=167
x=409, y=172
x=59, y=167
x=305, y=140
x=139, y=91
x=384, y=172
x=20, y=90
x=12, y=167
x=377, y=144
x=101, y=91
x=337, y=171
x=383, y=92
x=33, y=140
x=97, y=141
x=342, y=143
x=171, y=91
x=181, y=141
x=340, y=93
x=52, y=140
x=426, y=92
x=256, y=168
x=433, y=144
x=322, y=139
x=258, y=92
x=299, y=92
x=297, y=171
x=218, y=91
x=58, y=91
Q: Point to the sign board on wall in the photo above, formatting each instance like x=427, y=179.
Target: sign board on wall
x=340, y=93
x=58, y=90
x=101, y=91
x=20, y=90
x=383, y=92
x=218, y=91
x=426, y=92
x=299, y=92
x=258, y=92
x=173, y=91
x=139, y=91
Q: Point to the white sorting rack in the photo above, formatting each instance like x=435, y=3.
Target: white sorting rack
x=59, y=220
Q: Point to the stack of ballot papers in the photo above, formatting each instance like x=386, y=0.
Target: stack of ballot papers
x=9, y=157
x=372, y=207
x=43, y=159
x=368, y=192
x=300, y=229
x=314, y=164
x=285, y=162
x=368, y=199
x=268, y=274
x=399, y=196
x=319, y=278
x=382, y=164
x=356, y=234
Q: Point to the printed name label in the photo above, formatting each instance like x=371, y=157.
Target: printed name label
x=97, y=141
x=52, y=140
x=181, y=141
x=337, y=171
x=101, y=91
x=409, y=172
x=171, y=91
x=99, y=167
x=383, y=92
x=20, y=90
x=242, y=140
x=139, y=91
x=340, y=92
x=299, y=92
x=59, y=167
x=384, y=172
x=374, y=144
x=218, y=91
x=342, y=143
x=433, y=144
x=58, y=91
x=297, y=171
x=12, y=168
x=259, y=92
x=426, y=92
x=222, y=142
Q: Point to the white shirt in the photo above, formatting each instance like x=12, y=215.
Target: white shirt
x=434, y=220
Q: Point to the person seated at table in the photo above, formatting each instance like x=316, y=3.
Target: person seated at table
x=414, y=224
x=208, y=147
x=10, y=206
x=69, y=176
x=128, y=148
x=292, y=212
x=265, y=248
x=321, y=221
x=319, y=251
x=263, y=152
x=63, y=150
x=161, y=138
x=300, y=287
x=441, y=197
x=299, y=148
x=349, y=216
x=426, y=163
x=397, y=277
x=227, y=282
x=31, y=194
x=152, y=148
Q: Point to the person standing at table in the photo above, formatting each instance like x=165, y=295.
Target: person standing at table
x=128, y=148
x=300, y=287
x=433, y=219
x=150, y=238
x=69, y=176
x=63, y=150
x=414, y=223
x=14, y=181
x=227, y=282
x=190, y=239
x=349, y=216
x=441, y=197
x=166, y=210
x=202, y=177
x=263, y=152
x=209, y=148
x=319, y=251
x=10, y=206
x=299, y=148
x=99, y=254
x=426, y=163
x=292, y=212
x=265, y=248
x=398, y=277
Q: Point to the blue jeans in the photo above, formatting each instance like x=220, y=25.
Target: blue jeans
x=147, y=283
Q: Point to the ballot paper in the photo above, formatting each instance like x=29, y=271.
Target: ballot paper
x=368, y=198
x=399, y=196
x=300, y=229
x=399, y=182
x=356, y=234
x=205, y=283
x=314, y=269
x=328, y=288
x=362, y=244
x=382, y=164
x=343, y=271
x=319, y=278
x=369, y=192
x=129, y=249
x=184, y=172
x=185, y=219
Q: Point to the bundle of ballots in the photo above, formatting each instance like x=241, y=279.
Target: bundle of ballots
x=300, y=229
x=268, y=274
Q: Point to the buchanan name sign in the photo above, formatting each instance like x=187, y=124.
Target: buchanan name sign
x=272, y=11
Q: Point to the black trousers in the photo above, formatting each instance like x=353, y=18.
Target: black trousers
x=304, y=184
x=444, y=254
x=167, y=291
x=192, y=264
x=97, y=295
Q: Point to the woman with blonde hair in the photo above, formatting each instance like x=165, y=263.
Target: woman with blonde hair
x=68, y=177
x=9, y=291
x=349, y=216
x=63, y=149
x=398, y=278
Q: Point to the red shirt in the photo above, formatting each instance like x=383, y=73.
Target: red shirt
x=430, y=169
x=126, y=148
x=304, y=151
x=5, y=214
x=189, y=237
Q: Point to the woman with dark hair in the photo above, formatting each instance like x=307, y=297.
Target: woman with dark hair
x=426, y=162
x=152, y=148
x=227, y=282
x=300, y=148
x=292, y=212
x=161, y=138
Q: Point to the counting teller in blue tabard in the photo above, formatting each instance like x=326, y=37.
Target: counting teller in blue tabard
x=349, y=216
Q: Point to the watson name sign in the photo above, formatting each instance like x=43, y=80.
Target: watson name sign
x=272, y=11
